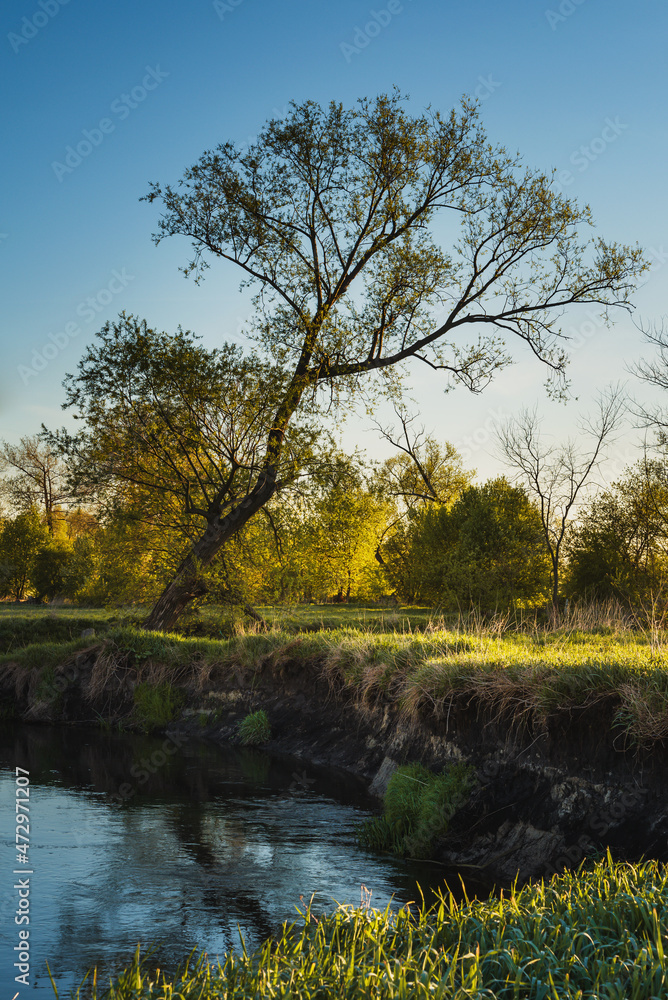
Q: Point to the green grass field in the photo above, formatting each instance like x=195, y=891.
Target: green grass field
x=407, y=657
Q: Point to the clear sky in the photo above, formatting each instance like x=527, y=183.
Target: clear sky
x=579, y=85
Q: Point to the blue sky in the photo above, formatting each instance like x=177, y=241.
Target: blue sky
x=149, y=86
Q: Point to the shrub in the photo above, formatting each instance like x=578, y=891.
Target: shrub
x=255, y=729
x=418, y=805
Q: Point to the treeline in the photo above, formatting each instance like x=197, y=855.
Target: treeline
x=414, y=526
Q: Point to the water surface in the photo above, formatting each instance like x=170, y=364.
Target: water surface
x=133, y=839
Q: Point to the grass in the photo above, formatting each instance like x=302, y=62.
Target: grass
x=503, y=671
x=254, y=729
x=156, y=705
x=596, y=934
x=418, y=805
x=28, y=624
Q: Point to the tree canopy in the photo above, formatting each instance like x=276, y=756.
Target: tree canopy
x=332, y=216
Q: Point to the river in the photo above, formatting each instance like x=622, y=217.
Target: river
x=171, y=844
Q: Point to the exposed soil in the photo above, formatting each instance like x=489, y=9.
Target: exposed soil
x=550, y=791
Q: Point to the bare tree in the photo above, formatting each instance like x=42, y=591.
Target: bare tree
x=557, y=474
x=424, y=472
x=40, y=478
x=656, y=373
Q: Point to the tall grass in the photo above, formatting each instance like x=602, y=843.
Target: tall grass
x=520, y=674
x=596, y=934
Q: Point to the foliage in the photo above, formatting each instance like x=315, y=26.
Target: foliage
x=418, y=806
x=80, y=567
x=331, y=214
x=342, y=533
x=180, y=426
x=124, y=562
x=156, y=705
x=485, y=551
x=313, y=542
x=48, y=576
x=596, y=933
x=254, y=729
x=619, y=548
x=20, y=540
x=423, y=471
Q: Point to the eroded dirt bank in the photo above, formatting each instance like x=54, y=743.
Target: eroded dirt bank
x=550, y=789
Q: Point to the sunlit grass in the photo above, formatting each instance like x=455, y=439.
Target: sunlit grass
x=501, y=670
x=597, y=933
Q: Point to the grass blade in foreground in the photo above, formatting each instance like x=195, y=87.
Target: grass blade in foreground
x=596, y=933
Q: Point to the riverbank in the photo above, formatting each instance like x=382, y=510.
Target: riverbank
x=565, y=731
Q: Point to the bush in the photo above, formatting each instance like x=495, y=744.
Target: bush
x=418, y=805
x=255, y=729
x=49, y=569
x=20, y=540
x=486, y=551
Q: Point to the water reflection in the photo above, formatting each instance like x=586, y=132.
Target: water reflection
x=212, y=842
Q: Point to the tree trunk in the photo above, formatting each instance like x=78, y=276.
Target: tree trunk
x=255, y=615
x=555, y=588
x=187, y=583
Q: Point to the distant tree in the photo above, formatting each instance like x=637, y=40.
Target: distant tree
x=341, y=531
x=424, y=472
x=485, y=551
x=329, y=216
x=20, y=540
x=557, y=475
x=37, y=477
x=48, y=576
x=80, y=567
x=619, y=546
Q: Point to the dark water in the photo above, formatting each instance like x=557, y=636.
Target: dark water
x=212, y=842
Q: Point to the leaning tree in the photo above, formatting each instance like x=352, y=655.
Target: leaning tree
x=338, y=217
